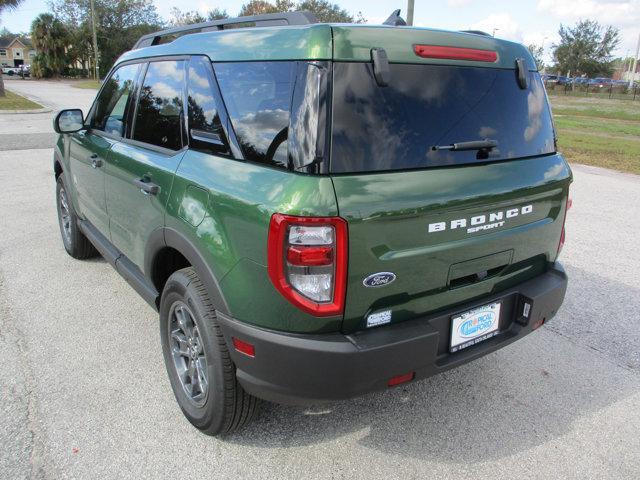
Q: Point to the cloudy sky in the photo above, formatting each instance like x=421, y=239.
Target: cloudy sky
x=527, y=21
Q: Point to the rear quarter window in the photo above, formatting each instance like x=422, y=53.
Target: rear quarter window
x=397, y=127
x=258, y=99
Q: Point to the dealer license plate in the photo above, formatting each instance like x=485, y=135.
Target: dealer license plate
x=474, y=326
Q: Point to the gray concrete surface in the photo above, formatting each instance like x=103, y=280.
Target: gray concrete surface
x=30, y=131
x=84, y=394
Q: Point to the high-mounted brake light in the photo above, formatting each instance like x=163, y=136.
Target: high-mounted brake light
x=307, y=262
x=455, y=53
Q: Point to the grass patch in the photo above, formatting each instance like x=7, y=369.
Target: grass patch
x=13, y=101
x=89, y=84
x=600, y=132
x=596, y=107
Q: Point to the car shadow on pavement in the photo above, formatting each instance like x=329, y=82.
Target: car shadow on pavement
x=512, y=400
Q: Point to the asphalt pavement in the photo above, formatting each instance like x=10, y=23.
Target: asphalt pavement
x=84, y=393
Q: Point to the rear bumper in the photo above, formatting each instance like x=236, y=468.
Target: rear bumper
x=299, y=369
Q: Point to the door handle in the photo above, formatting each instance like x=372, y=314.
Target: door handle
x=95, y=161
x=146, y=187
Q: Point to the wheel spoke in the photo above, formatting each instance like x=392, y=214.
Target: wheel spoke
x=180, y=345
x=188, y=354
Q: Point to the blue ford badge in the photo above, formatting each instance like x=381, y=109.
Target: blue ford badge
x=379, y=279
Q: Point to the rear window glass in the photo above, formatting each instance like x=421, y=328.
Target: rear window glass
x=258, y=99
x=425, y=106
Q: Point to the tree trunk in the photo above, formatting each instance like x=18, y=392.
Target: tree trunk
x=2, y=93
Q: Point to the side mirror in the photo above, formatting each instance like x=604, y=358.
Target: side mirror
x=68, y=121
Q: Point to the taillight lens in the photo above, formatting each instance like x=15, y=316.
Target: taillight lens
x=307, y=262
x=564, y=221
x=455, y=53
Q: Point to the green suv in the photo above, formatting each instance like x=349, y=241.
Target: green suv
x=318, y=211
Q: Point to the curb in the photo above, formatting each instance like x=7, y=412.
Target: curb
x=15, y=112
x=44, y=109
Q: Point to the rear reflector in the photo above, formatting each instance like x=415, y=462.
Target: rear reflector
x=455, y=53
x=310, y=256
x=397, y=380
x=244, y=347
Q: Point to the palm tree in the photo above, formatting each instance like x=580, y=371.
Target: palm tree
x=49, y=37
x=6, y=5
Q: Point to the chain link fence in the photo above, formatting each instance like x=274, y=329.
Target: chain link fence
x=619, y=92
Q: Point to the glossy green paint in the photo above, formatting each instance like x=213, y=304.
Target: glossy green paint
x=232, y=235
x=86, y=147
x=353, y=43
x=348, y=43
x=133, y=214
x=312, y=42
x=223, y=206
x=389, y=214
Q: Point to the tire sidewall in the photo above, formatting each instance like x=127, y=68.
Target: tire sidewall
x=67, y=242
x=211, y=415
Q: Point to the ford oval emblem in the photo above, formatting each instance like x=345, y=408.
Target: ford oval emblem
x=379, y=279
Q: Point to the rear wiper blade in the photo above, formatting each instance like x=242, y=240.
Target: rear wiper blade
x=485, y=144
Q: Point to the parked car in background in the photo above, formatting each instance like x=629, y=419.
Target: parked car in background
x=25, y=70
x=564, y=80
x=601, y=82
x=550, y=79
x=580, y=81
x=7, y=70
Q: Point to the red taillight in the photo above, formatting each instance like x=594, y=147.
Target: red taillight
x=455, y=53
x=398, y=379
x=244, y=347
x=307, y=262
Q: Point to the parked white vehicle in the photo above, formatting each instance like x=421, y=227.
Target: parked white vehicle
x=10, y=70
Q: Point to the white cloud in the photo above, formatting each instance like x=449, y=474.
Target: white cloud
x=618, y=13
x=459, y=3
x=622, y=14
x=505, y=25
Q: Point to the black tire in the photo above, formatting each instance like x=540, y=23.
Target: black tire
x=222, y=406
x=74, y=241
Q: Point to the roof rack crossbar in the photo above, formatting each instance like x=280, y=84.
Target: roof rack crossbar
x=270, y=19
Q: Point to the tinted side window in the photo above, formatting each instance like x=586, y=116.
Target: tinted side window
x=159, y=115
x=113, y=103
x=205, y=128
x=258, y=99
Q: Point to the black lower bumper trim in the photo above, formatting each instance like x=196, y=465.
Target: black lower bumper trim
x=300, y=369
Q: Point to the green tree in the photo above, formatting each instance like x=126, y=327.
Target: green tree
x=586, y=49
x=258, y=7
x=323, y=9
x=537, y=53
x=50, y=39
x=119, y=24
x=178, y=17
x=4, y=6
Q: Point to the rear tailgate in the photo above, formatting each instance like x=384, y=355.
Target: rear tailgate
x=449, y=224
x=389, y=215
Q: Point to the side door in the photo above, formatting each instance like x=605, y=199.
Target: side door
x=141, y=167
x=89, y=149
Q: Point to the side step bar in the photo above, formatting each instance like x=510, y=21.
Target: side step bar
x=125, y=267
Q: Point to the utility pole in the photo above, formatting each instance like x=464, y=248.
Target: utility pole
x=95, y=40
x=410, y=12
x=632, y=76
x=494, y=32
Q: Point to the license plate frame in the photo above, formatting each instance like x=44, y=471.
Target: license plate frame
x=474, y=326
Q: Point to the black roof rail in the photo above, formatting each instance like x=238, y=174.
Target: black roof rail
x=476, y=32
x=267, y=20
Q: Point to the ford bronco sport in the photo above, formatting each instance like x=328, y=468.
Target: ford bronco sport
x=317, y=210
